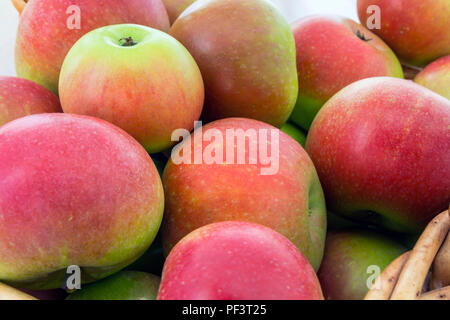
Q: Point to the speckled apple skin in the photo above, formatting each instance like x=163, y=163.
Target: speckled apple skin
x=43, y=38
x=20, y=97
x=416, y=30
x=73, y=190
x=436, y=76
x=345, y=270
x=290, y=201
x=331, y=56
x=237, y=261
x=246, y=53
x=176, y=7
x=380, y=147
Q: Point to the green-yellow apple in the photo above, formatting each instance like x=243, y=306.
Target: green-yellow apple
x=294, y=132
x=237, y=260
x=237, y=180
x=352, y=261
x=381, y=150
x=49, y=28
x=124, y=285
x=136, y=77
x=74, y=190
x=246, y=53
x=333, y=52
x=436, y=76
x=176, y=7
x=21, y=97
x=416, y=30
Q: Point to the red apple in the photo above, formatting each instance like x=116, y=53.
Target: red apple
x=21, y=97
x=381, y=149
x=74, y=190
x=176, y=7
x=352, y=261
x=138, y=78
x=283, y=193
x=237, y=261
x=333, y=52
x=436, y=76
x=49, y=28
x=416, y=30
x=246, y=53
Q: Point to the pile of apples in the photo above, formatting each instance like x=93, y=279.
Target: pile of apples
x=87, y=128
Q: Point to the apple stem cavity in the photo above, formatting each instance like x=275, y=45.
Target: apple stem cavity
x=361, y=35
x=127, y=42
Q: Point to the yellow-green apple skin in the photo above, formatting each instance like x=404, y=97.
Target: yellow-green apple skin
x=333, y=52
x=352, y=260
x=416, y=30
x=21, y=97
x=246, y=53
x=380, y=147
x=236, y=260
x=436, y=76
x=289, y=201
x=124, y=285
x=149, y=88
x=176, y=7
x=294, y=132
x=49, y=28
x=74, y=190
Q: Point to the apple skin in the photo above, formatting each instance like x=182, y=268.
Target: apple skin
x=330, y=56
x=290, y=201
x=344, y=271
x=380, y=147
x=246, y=53
x=237, y=260
x=416, y=30
x=294, y=132
x=74, y=190
x=21, y=97
x=124, y=285
x=436, y=76
x=43, y=38
x=176, y=7
x=149, y=89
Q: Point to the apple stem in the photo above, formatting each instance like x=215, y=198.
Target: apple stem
x=127, y=42
x=361, y=35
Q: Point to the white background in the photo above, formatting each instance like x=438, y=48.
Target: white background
x=293, y=9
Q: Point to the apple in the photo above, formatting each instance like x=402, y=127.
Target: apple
x=237, y=260
x=283, y=192
x=74, y=190
x=294, y=132
x=176, y=7
x=49, y=28
x=21, y=97
x=380, y=147
x=54, y=294
x=436, y=76
x=416, y=30
x=136, y=77
x=124, y=285
x=352, y=261
x=333, y=52
x=246, y=53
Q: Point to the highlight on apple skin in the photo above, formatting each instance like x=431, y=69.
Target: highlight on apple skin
x=416, y=30
x=246, y=53
x=136, y=77
x=352, y=260
x=237, y=260
x=380, y=147
x=436, y=76
x=48, y=29
x=333, y=52
x=21, y=97
x=176, y=7
x=74, y=190
x=289, y=201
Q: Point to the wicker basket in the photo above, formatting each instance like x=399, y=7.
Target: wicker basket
x=422, y=273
